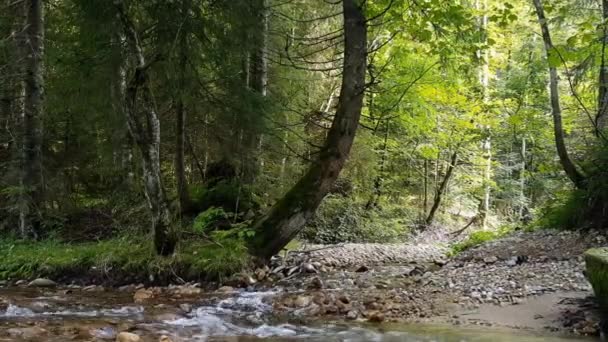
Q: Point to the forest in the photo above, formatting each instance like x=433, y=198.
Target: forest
x=195, y=116
x=196, y=139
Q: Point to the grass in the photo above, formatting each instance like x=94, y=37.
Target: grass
x=477, y=238
x=120, y=260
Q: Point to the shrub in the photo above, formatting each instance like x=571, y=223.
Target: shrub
x=477, y=238
x=343, y=219
x=211, y=219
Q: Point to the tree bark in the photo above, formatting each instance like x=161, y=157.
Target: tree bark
x=32, y=182
x=147, y=138
x=259, y=55
x=601, y=119
x=441, y=189
x=567, y=164
x=289, y=215
x=185, y=203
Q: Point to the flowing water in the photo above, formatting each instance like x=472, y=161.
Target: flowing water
x=62, y=315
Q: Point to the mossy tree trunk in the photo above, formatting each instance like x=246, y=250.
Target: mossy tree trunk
x=289, y=215
x=441, y=189
x=147, y=137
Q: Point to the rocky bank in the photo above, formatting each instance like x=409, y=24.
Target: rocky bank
x=536, y=276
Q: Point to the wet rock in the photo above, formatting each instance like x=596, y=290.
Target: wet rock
x=226, y=289
x=27, y=333
x=105, y=333
x=42, y=282
x=128, y=337
x=20, y=282
x=185, y=307
x=165, y=338
x=127, y=288
x=142, y=295
x=187, y=290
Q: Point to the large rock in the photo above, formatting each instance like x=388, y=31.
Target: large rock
x=128, y=337
x=42, y=282
x=596, y=261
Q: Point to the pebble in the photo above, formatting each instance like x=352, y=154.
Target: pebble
x=128, y=337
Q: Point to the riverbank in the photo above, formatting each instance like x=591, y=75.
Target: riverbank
x=526, y=280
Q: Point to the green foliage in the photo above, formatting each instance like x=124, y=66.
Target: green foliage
x=477, y=238
x=121, y=260
x=343, y=219
x=210, y=219
x=229, y=195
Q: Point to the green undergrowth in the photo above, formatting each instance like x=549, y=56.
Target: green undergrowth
x=121, y=260
x=477, y=238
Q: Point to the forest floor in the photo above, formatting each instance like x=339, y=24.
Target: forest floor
x=526, y=280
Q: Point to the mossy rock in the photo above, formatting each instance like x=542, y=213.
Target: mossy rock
x=596, y=261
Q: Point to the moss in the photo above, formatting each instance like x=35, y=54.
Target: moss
x=121, y=260
x=596, y=261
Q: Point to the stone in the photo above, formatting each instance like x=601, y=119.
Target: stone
x=187, y=291
x=308, y=268
x=142, y=295
x=226, y=289
x=352, y=315
x=185, y=307
x=260, y=274
x=316, y=283
x=362, y=269
x=302, y=301
x=128, y=337
x=27, y=333
x=376, y=317
x=42, y=282
x=490, y=260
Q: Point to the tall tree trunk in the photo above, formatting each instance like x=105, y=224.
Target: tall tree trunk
x=260, y=53
x=185, y=203
x=147, y=138
x=441, y=189
x=567, y=164
x=290, y=214
x=601, y=119
x=484, y=81
x=32, y=119
x=522, y=180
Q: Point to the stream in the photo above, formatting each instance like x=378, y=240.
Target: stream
x=29, y=314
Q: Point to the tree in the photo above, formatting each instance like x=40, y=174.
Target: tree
x=147, y=137
x=33, y=110
x=577, y=178
x=290, y=213
x=601, y=119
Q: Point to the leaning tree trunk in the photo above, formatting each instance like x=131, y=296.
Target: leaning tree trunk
x=147, y=138
x=31, y=167
x=441, y=189
x=290, y=214
x=567, y=164
x=601, y=119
